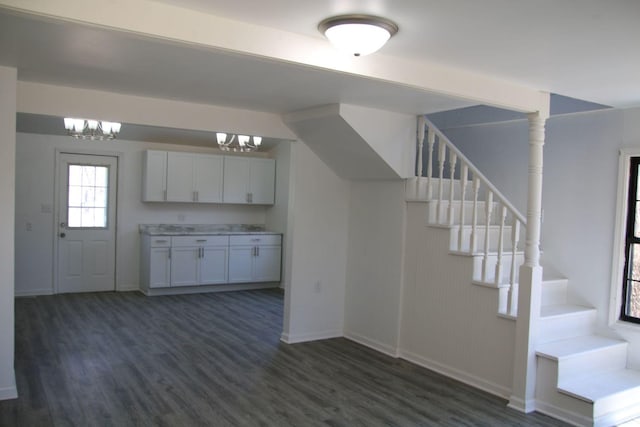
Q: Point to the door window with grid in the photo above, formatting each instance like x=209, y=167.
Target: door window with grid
x=87, y=201
x=631, y=285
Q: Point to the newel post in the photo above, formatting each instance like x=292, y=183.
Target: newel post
x=530, y=279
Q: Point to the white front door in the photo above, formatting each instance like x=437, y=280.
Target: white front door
x=87, y=222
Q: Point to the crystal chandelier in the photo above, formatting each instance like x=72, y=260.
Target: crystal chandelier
x=95, y=130
x=238, y=143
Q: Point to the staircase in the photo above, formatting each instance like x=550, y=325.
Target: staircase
x=581, y=377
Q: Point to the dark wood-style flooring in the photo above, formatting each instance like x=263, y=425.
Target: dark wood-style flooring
x=123, y=359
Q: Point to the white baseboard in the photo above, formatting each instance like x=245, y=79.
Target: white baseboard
x=7, y=393
x=127, y=288
x=521, y=405
x=373, y=344
x=562, y=414
x=33, y=292
x=456, y=374
x=310, y=336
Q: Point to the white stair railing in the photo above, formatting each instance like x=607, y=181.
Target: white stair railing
x=506, y=214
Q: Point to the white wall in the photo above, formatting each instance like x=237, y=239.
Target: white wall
x=35, y=162
x=277, y=216
x=314, y=298
x=448, y=324
x=374, y=263
x=579, y=194
x=8, y=83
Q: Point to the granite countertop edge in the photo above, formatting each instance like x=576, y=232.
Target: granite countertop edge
x=203, y=229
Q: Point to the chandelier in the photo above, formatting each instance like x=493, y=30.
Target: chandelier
x=357, y=35
x=95, y=130
x=238, y=143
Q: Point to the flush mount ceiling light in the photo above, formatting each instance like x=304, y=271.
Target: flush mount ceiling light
x=238, y=143
x=91, y=129
x=358, y=35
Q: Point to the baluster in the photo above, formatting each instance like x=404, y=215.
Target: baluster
x=421, y=131
x=488, y=210
x=503, y=216
x=431, y=140
x=474, y=235
x=515, y=237
x=442, y=151
x=453, y=158
x=464, y=176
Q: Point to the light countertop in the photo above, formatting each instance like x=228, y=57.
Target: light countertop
x=201, y=229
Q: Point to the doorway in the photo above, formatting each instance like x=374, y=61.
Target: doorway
x=86, y=225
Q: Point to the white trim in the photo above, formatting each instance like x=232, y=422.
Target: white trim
x=570, y=417
x=7, y=393
x=310, y=336
x=617, y=263
x=389, y=350
x=456, y=374
x=34, y=292
x=521, y=405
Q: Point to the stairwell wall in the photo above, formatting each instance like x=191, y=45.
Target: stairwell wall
x=579, y=195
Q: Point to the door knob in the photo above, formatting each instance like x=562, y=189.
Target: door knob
x=63, y=235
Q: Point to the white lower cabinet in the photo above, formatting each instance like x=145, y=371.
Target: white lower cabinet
x=194, y=260
x=199, y=260
x=255, y=258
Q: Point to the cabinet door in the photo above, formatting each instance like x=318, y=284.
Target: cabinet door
x=159, y=268
x=262, y=181
x=207, y=176
x=236, y=180
x=266, y=264
x=180, y=177
x=154, y=176
x=240, y=264
x=184, y=266
x=213, y=265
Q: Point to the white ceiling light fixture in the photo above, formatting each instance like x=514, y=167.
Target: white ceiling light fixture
x=358, y=35
x=238, y=143
x=95, y=130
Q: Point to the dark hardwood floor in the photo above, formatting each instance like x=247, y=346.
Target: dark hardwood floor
x=123, y=359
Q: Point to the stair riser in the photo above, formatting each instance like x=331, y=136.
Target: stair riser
x=594, y=362
x=568, y=326
x=494, y=239
x=491, y=267
x=554, y=292
x=547, y=391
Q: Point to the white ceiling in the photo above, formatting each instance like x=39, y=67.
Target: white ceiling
x=584, y=49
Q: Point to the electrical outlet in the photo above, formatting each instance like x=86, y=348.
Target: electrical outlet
x=182, y=217
x=317, y=286
x=28, y=226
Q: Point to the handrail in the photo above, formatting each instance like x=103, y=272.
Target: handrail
x=476, y=173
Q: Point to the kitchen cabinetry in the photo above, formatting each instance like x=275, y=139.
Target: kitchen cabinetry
x=255, y=258
x=194, y=177
x=154, y=177
x=156, y=262
x=199, y=260
x=182, y=177
x=249, y=180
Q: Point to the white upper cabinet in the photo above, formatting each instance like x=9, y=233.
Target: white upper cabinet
x=182, y=177
x=249, y=180
x=154, y=178
x=207, y=178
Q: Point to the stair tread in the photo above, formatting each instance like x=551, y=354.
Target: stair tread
x=592, y=388
x=563, y=309
x=575, y=346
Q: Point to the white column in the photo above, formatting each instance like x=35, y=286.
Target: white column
x=8, y=85
x=530, y=280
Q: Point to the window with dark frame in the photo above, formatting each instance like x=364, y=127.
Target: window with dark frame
x=631, y=285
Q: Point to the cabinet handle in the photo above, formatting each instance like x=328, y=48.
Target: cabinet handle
x=201, y=252
x=164, y=195
x=257, y=250
x=161, y=241
x=169, y=254
x=201, y=240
